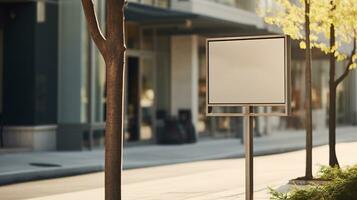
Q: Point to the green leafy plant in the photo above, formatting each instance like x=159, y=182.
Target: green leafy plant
x=341, y=185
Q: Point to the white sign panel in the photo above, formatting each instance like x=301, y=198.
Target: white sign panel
x=247, y=70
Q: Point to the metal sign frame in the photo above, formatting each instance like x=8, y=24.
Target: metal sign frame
x=287, y=78
x=248, y=108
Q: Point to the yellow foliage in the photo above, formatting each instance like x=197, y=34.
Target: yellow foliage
x=354, y=58
x=342, y=14
x=302, y=45
x=353, y=66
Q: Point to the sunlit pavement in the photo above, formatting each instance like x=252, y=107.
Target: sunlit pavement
x=205, y=180
x=19, y=167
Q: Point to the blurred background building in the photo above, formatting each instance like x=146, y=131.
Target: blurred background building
x=52, y=78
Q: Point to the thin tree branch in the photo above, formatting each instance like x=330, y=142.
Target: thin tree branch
x=350, y=62
x=93, y=25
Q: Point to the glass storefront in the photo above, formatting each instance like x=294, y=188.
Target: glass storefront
x=149, y=91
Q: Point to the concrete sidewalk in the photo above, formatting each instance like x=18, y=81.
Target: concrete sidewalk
x=205, y=180
x=41, y=165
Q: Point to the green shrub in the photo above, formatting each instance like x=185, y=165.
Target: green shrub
x=342, y=185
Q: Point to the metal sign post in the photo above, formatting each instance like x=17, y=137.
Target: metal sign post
x=248, y=72
x=248, y=144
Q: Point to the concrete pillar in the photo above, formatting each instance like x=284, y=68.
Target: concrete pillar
x=184, y=75
x=73, y=70
x=72, y=62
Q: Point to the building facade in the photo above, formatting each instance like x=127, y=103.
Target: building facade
x=53, y=77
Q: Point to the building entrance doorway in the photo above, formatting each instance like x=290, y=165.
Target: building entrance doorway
x=133, y=99
x=140, y=98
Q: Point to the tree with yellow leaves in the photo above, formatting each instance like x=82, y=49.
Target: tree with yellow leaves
x=320, y=20
x=342, y=27
x=295, y=20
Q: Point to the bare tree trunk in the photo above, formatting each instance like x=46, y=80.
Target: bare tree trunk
x=115, y=99
x=114, y=128
x=333, y=162
x=112, y=47
x=308, y=171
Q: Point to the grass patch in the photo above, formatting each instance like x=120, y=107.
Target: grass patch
x=342, y=185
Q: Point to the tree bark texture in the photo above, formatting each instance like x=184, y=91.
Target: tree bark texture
x=308, y=118
x=333, y=162
x=112, y=48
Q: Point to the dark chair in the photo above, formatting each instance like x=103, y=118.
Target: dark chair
x=161, y=115
x=185, y=118
x=173, y=132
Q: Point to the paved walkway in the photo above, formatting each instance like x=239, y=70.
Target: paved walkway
x=204, y=180
x=22, y=167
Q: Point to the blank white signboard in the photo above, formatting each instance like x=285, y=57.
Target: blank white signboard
x=247, y=70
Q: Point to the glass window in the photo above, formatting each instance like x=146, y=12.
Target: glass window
x=243, y=4
x=163, y=89
x=99, y=88
x=86, y=65
x=158, y=3
x=147, y=39
x=147, y=98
